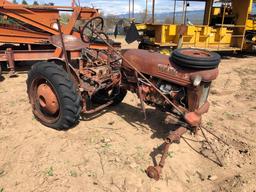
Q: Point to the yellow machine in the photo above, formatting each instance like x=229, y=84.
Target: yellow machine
x=228, y=26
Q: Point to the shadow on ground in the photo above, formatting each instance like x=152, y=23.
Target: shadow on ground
x=239, y=55
x=1, y=78
x=154, y=122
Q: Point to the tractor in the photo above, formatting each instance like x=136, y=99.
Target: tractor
x=82, y=71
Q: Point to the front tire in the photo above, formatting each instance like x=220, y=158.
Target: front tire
x=195, y=58
x=117, y=95
x=121, y=93
x=53, y=96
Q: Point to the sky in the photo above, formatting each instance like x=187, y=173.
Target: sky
x=118, y=7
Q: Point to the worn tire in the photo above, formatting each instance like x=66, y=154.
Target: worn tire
x=102, y=97
x=68, y=99
x=195, y=58
x=120, y=97
x=0, y=71
x=141, y=46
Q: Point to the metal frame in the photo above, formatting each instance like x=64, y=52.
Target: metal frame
x=38, y=27
x=231, y=37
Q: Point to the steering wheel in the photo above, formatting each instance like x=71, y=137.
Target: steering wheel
x=92, y=29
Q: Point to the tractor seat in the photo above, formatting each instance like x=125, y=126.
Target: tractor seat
x=71, y=42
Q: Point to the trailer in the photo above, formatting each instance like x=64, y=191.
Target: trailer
x=228, y=25
x=26, y=32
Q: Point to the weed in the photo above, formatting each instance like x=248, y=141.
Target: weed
x=12, y=104
x=229, y=115
x=1, y=189
x=170, y=154
x=73, y=173
x=91, y=174
x=1, y=173
x=49, y=172
x=209, y=124
x=106, y=145
x=139, y=148
x=140, y=154
x=23, y=100
x=142, y=170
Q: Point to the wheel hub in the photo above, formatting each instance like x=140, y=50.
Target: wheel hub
x=47, y=98
x=196, y=53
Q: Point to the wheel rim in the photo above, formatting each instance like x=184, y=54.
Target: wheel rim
x=44, y=100
x=47, y=98
x=196, y=53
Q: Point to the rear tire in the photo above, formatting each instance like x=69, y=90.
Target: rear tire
x=62, y=115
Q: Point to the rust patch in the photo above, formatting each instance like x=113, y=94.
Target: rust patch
x=47, y=98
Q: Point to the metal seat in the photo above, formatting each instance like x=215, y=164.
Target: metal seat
x=71, y=42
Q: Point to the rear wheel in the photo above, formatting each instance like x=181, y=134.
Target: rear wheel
x=53, y=96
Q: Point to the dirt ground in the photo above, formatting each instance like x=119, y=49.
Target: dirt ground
x=109, y=152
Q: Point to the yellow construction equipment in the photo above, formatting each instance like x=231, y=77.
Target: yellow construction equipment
x=228, y=25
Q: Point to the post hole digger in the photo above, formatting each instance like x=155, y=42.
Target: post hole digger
x=178, y=85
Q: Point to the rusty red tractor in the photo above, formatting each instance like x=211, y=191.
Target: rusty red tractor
x=85, y=72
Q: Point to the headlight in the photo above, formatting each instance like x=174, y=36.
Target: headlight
x=205, y=93
x=197, y=80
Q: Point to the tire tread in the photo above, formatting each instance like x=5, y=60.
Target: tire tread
x=69, y=99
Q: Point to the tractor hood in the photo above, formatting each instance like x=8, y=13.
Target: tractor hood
x=158, y=65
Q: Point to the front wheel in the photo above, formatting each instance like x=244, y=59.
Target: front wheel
x=120, y=94
x=117, y=94
x=53, y=96
x=0, y=71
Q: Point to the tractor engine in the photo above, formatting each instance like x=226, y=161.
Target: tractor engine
x=97, y=74
x=184, y=79
x=151, y=97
